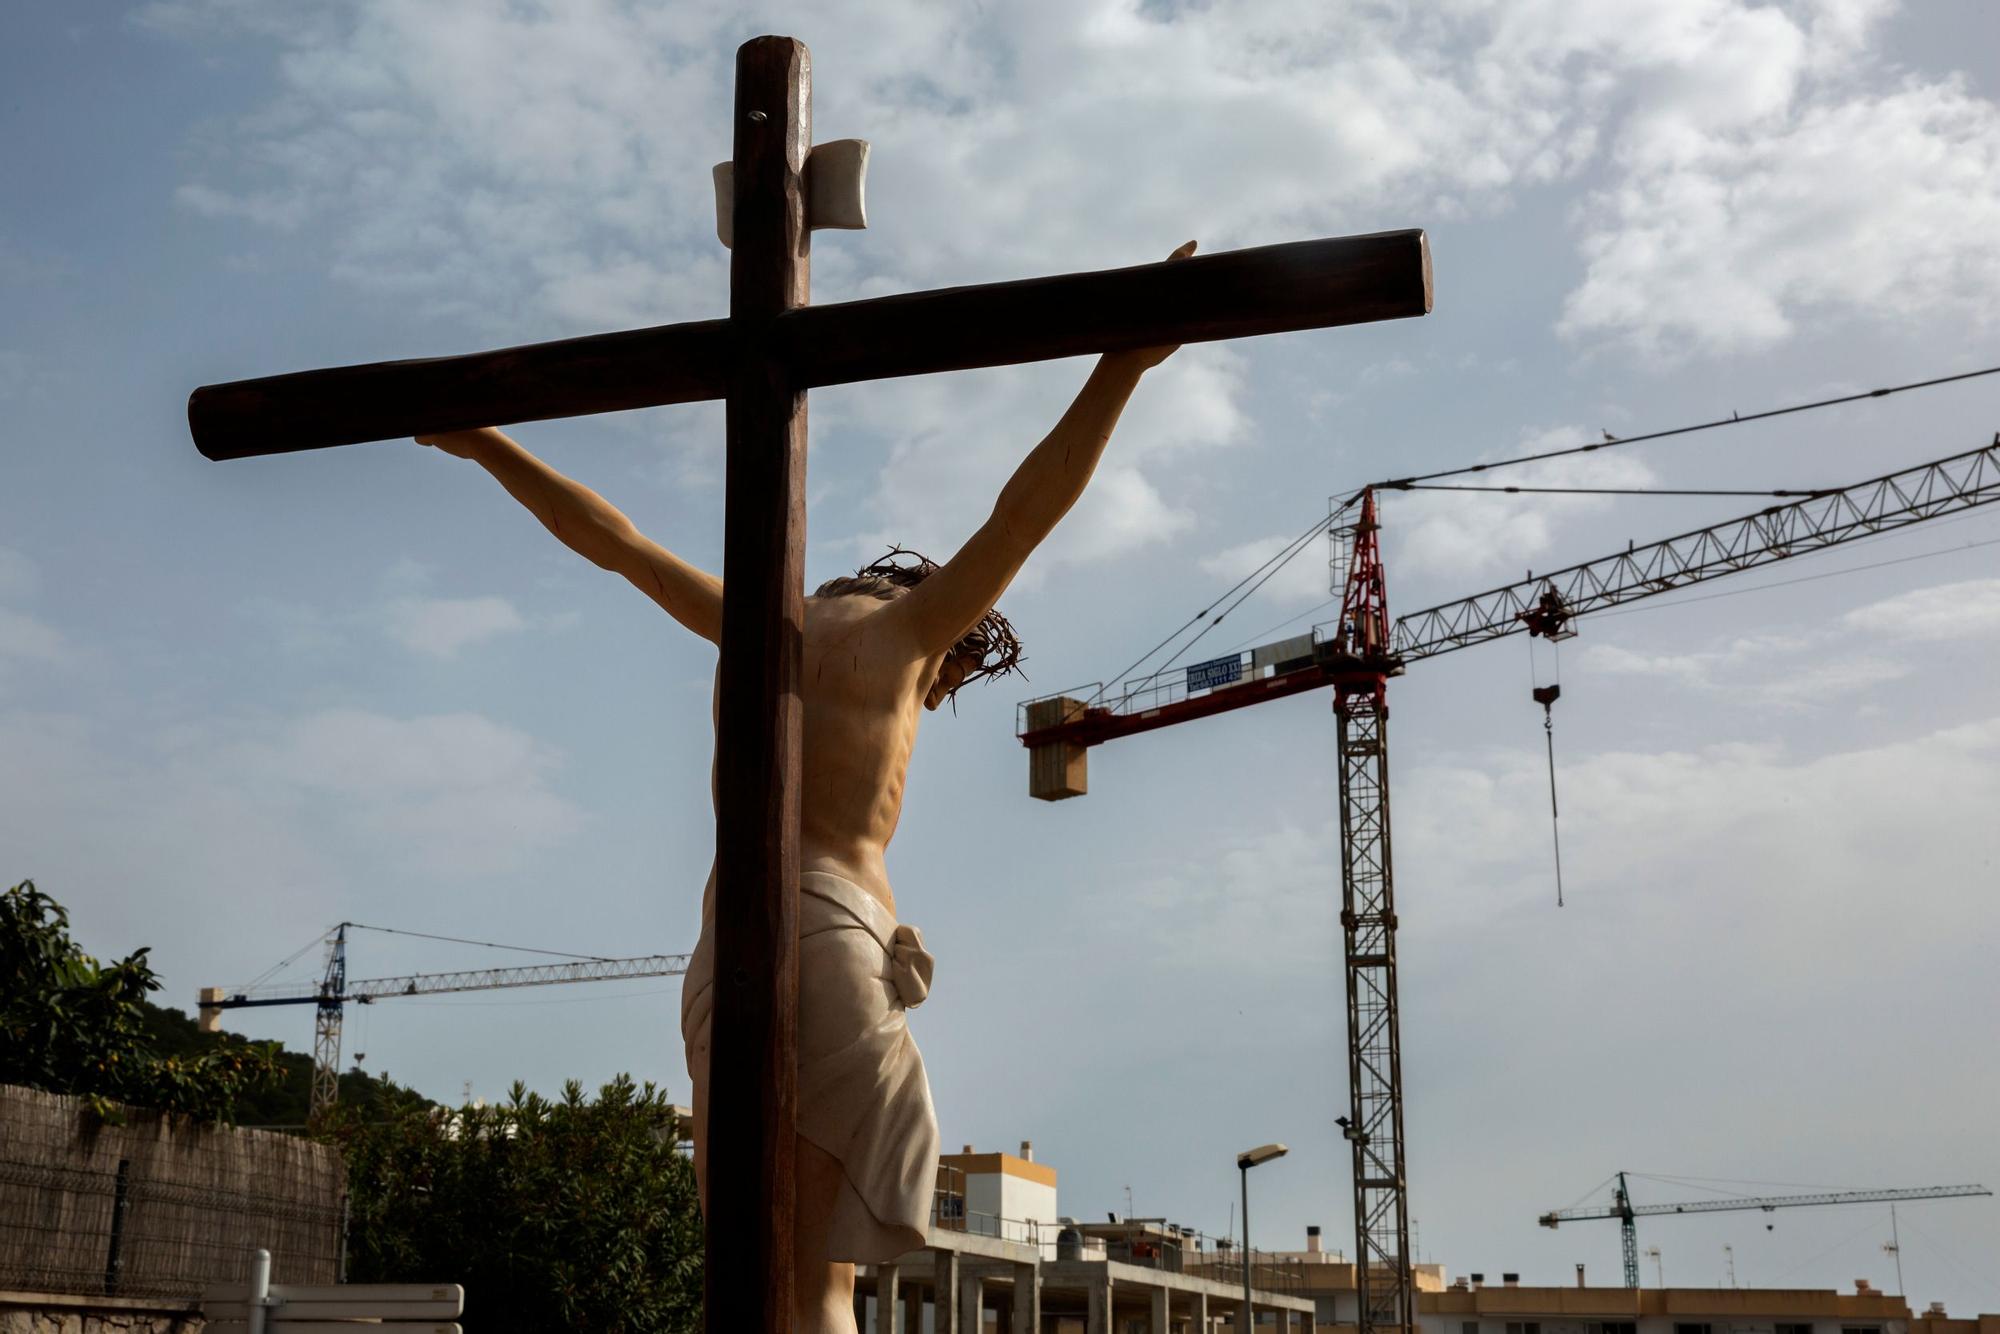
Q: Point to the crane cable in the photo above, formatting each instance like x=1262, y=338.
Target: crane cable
x=1423, y=481
x=487, y=944
x=1733, y=419
x=1614, y=490
x=1270, y=567
x=1327, y=523
x=1546, y=696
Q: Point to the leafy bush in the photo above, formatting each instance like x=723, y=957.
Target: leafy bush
x=69, y=1024
x=554, y=1214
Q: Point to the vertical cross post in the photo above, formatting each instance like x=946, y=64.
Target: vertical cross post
x=753, y=1062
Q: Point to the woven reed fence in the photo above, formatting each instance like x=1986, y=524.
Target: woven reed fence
x=157, y=1207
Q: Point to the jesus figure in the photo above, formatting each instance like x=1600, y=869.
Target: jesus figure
x=900, y=634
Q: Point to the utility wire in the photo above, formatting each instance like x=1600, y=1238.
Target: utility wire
x=487, y=944
x=1733, y=419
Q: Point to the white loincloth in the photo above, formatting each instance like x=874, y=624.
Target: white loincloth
x=863, y=1095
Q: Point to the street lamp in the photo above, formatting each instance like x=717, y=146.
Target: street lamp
x=1246, y=1160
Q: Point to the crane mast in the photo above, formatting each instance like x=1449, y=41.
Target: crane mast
x=327, y=1014
x=1361, y=667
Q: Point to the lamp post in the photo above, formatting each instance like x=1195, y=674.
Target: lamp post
x=1246, y=1160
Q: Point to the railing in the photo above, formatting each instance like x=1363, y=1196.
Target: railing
x=1170, y=685
x=1269, y=1272
x=1189, y=1253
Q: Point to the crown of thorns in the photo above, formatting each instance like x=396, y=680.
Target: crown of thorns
x=992, y=641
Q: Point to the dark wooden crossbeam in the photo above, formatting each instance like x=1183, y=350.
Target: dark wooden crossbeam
x=762, y=360
x=1236, y=294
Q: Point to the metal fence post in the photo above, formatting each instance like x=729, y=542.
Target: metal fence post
x=113, y=1260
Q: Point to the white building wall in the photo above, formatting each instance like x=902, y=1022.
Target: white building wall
x=1024, y=1201
x=1010, y=1204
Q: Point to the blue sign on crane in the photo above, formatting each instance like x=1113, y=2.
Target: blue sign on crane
x=1215, y=672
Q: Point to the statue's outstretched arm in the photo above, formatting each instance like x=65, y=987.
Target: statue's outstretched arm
x=592, y=527
x=945, y=606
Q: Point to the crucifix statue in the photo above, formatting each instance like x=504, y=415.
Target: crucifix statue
x=809, y=764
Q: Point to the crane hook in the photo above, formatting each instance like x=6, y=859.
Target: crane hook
x=1546, y=696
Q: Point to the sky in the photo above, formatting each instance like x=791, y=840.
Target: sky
x=242, y=702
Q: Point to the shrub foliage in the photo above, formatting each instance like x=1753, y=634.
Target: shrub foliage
x=565, y=1213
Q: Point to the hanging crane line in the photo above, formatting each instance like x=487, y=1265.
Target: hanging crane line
x=1356, y=655
x=334, y=990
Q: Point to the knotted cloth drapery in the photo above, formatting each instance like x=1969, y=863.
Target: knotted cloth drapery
x=863, y=1094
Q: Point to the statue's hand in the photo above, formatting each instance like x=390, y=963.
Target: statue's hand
x=1145, y=358
x=460, y=444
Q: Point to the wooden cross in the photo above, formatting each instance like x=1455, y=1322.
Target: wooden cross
x=762, y=360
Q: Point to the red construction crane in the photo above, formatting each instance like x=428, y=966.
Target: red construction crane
x=1356, y=656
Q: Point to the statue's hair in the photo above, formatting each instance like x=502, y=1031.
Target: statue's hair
x=992, y=640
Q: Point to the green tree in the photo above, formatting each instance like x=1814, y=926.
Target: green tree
x=555, y=1214
x=70, y=1024
x=284, y=1103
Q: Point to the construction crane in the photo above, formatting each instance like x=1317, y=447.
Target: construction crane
x=330, y=995
x=1622, y=1209
x=1356, y=655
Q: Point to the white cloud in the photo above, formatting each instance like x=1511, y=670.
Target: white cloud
x=553, y=159
x=1740, y=211
x=1304, y=579
x=959, y=438
x=19, y=576
x=20, y=375
x=440, y=627
x=1672, y=842
x=24, y=638
x=1261, y=903
x=1774, y=671
x=1800, y=671
x=1968, y=609
x=1466, y=535
x=458, y=794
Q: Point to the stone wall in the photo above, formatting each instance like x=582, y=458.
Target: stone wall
x=55, y=1313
